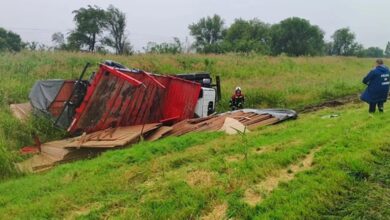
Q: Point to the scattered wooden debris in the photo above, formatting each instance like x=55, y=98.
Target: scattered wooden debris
x=89, y=145
x=111, y=137
x=53, y=153
x=159, y=133
x=84, y=146
x=229, y=122
x=21, y=111
x=233, y=126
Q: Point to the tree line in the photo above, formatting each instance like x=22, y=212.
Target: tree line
x=292, y=36
x=104, y=30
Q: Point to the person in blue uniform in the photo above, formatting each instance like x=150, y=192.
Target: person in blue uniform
x=377, y=81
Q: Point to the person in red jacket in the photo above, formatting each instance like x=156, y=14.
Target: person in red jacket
x=238, y=99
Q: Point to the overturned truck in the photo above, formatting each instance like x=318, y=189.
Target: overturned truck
x=116, y=96
x=118, y=106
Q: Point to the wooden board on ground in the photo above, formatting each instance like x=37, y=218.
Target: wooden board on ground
x=84, y=146
x=266, y=122
x=251, y=120
x=21, y=111
x=233, y=126
x=159, y=133
x=88, y=145
x=112, y=137
x=43, y=161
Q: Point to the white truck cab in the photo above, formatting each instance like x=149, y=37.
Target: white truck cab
x=209, y=95
x=206, y=102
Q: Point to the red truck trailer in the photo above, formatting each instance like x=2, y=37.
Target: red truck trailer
x=116, y=96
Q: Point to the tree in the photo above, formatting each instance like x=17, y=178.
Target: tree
x=328, y=48
x=10, y=41
x=33, y=45
x=297, y=37
x=374, y=52
x=36, y=46
x=248, y=36
x=116, y=26
x=208, y=34
x=58, y=39
x=90, y=23
x=344, y=43
x=165, y=48
x=387, y=50
x=358, y=50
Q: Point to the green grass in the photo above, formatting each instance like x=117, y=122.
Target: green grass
x=266, y=81
x=349, y=177
x=186, y=177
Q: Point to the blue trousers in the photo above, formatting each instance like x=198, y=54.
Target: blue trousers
x=373, y=105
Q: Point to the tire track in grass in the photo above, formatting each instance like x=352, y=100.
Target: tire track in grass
x=255, y=195
x=264, y=149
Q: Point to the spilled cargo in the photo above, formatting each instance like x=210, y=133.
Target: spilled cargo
x=117, y=107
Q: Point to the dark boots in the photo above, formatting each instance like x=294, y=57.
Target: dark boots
x=372, y=107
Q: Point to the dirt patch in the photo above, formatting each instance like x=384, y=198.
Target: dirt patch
x=82, y=211
x=133, y=175
x=235, y=158
x=219, y=212
x=270, y=183
x=259, y=150
x=331, y=103
x=200, y=178
x=252, y=197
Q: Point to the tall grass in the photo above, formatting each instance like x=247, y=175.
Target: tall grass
x=187, y=177
x=266, y=81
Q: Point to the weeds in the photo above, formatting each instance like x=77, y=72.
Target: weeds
x=266, y=81
x=148, y=180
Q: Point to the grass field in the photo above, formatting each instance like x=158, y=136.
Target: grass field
x=337, y=170
x=313, y=167
x=267, y=81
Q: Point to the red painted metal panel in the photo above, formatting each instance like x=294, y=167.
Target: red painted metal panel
x=63, y=95
x=121, y=99
x=99, y=100
x=181, y=97
x=145, y=107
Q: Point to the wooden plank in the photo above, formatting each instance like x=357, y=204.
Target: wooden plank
x=198, y=120
x=236, y=114
x=117, y=137
x=159, y=133
x=21, y=111
x=263, y=123
x=247, y=116
x=215, y=125
x=257, y=119
x=36, y=163
x=232, y=126
x=181, y=128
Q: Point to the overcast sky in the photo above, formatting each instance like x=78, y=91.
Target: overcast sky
x=161, y=20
